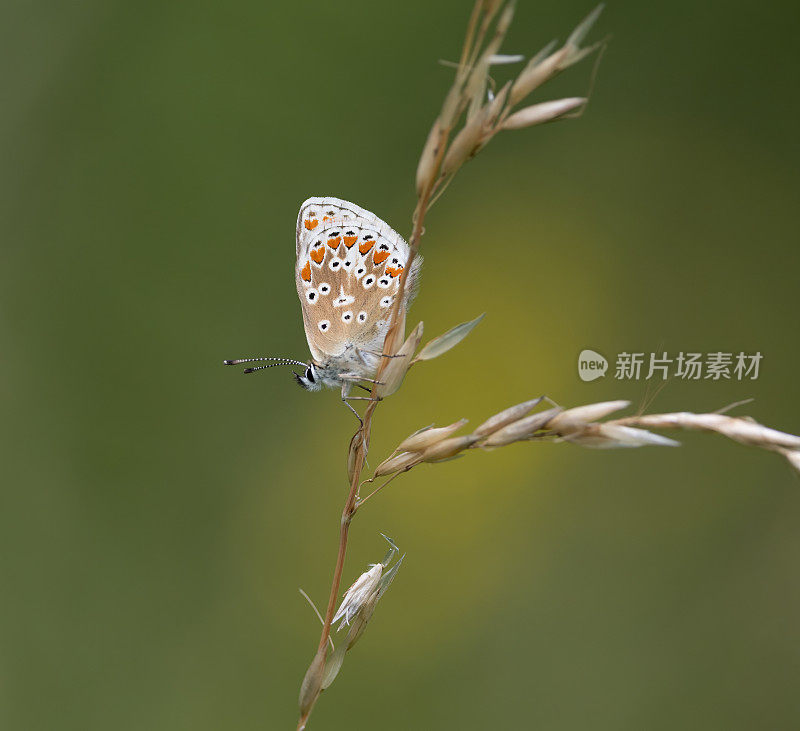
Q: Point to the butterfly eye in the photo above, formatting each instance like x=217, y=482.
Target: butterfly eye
x=310, y=374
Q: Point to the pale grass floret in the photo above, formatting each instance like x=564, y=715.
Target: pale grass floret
x=543, y=112
x=425, y=438
x=402, y=461
x=517, y=431
x=507, y=416
x=362, y=590
x=575, y=419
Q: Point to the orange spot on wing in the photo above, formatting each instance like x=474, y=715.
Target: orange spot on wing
x=311, y=223
x=394, y=271
x=306, y=273
x=350, y=240
x=318, y=255
x=380, y=256
x=326, y=218
x=365, y=246
x=334, y=243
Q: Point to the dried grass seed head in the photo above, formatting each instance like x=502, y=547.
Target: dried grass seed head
x=398, y=462
x=362, y=590
x=421, y=440
x=543, y=112
x=442, y=343
x=614, y=436
x=426, y=169
x=507, y=416
x=534, y=75
x=576, y=419
x=448, y=448
x=521, y=429
x=392, y=376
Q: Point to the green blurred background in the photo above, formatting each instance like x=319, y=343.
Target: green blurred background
x=159, y=511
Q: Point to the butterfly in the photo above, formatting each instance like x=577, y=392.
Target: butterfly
x=348, y=270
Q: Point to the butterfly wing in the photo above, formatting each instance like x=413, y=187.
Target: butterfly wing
x=347, y=274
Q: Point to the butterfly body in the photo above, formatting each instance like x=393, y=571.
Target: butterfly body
x=353, y=365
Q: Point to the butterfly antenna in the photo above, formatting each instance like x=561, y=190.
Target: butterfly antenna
x=280, y=361
x=262, y=367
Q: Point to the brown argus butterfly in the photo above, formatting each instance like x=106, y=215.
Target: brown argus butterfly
x=347, y=273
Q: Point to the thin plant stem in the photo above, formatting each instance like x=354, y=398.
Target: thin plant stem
x=366, y=427
x=362, y=500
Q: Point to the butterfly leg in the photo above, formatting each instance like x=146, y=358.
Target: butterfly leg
x=355, y=413
x=346, y=385
x=376, y=353
x=354, y=378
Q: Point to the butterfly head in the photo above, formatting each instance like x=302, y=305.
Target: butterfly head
x=310, y=379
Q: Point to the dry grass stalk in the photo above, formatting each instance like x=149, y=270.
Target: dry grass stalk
x=580, y=426
x=468, y=120
x=741, y=429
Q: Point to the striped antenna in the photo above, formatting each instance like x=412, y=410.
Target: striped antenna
x=262, y=367
x=280, y=361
